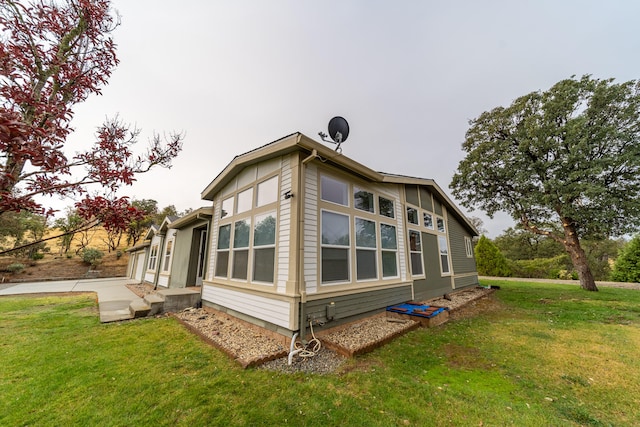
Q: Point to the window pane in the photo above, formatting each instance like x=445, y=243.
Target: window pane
x=389, y=264
x=267, y=191
x=388, y=236
x=416, y=263
x=386, y=207
x=222, y=264
x=224, y=236
x=265, y=230
x=240, y=262
x=245, y=200
x=414, y=241
x=227, y=207
x=366, y=264
x=263, y=264
x=412, y=215
x=440, y=223
x=335, y=265
x=428, y=220
x=363, y=200
x=335, y=229
x=167, y=255
x=241, y=234
x=334, y=191
x=365, y=233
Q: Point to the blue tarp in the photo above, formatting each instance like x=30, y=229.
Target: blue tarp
x=416, y=310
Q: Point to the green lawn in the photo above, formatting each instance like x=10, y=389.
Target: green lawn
x=544, y=355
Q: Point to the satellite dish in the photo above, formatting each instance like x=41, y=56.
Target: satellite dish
x=338, y=131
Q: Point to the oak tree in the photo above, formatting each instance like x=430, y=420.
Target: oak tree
x=564, y=159
x=54, y=54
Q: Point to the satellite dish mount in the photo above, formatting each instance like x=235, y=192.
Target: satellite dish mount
x=338, y=131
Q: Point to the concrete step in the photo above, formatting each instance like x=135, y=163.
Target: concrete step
x=139, y=309
x=156, y=302
x=179, y=298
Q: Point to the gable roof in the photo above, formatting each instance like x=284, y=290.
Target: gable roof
x=299, y=142
x=200, y=214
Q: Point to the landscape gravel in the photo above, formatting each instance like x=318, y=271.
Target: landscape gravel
x=249, y=347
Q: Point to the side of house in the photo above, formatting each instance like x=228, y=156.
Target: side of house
x=301, y=233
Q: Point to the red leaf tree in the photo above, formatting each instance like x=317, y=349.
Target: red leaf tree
x=53, y=55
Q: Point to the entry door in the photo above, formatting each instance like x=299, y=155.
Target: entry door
x=139, y=266
x=202, y=252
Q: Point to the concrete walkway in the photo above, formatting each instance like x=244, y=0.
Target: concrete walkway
x=113, y=296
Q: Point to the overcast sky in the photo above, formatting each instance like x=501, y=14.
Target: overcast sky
x=407, y=75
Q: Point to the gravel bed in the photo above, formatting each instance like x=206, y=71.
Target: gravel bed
x=249, y=347
x=246, y=345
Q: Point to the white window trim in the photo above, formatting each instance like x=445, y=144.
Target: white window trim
x=468, y=246
x=423, y=274
x=395, y=251
x=376, y=250
x=153, y=257
x=168, y=256
x=446, y=242
x=326, y=245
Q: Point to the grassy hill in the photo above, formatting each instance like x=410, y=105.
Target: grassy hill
x=58, y=265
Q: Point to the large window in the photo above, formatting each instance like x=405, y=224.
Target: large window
x=444, y=254
x=334, y=191
x=222, y=253
x=153, y=257
x=389, y=245
x=415, y=249
x=241, y=232
x=264, y=247
x=335, y=247
x=366, y=249
x=167, y=256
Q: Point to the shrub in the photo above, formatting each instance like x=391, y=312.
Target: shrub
x=92, y=256
x=627, y=266
x=558, y=267
x=489, y=259
x=16, y=267
x=37, y=255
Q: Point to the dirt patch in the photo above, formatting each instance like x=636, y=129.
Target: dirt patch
x=60, y=268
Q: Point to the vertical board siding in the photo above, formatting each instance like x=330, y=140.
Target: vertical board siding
x=311, y=229
x=284, y=229
x=266, y=309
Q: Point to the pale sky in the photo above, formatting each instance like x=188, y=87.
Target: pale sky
x=407, y=75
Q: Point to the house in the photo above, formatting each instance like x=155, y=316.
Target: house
x=173, y=254
x=303, y=234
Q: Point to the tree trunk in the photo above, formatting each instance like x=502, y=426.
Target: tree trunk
x=578, y=256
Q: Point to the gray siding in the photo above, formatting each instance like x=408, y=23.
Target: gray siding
x=411, y=194
x=185, y=256
x=461, y=263
x=425, y=199
x=466, y=281
x=437, y=207
x=347, y=306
